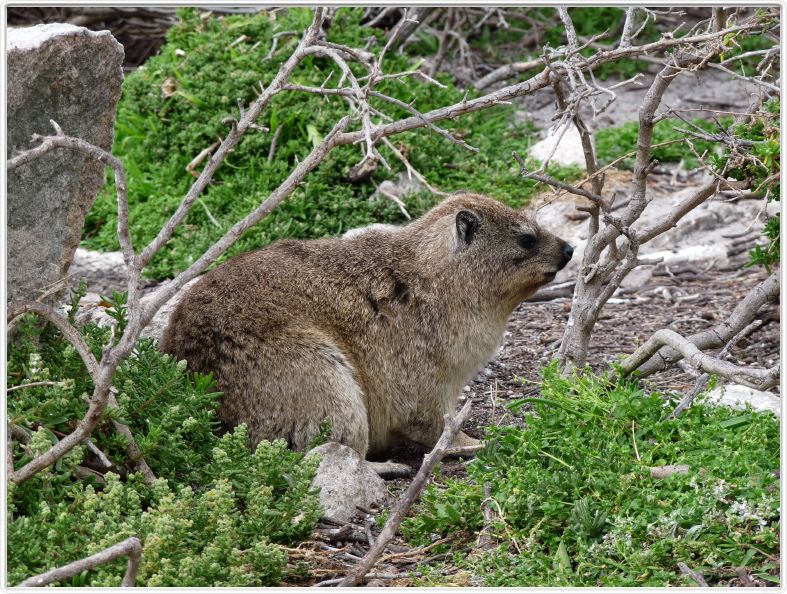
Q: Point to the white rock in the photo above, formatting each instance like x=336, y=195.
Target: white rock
x=374, y=227
x=25, y=38
x=103, y=271
x=737, y=397
x=569, y=150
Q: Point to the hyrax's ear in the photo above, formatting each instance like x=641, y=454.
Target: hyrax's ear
x=467, y=223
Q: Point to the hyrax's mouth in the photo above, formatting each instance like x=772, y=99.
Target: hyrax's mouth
x=550, y=276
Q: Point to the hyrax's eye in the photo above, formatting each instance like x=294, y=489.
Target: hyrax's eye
x=528, y=241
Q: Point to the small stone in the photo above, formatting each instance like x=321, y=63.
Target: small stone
x=346, y=482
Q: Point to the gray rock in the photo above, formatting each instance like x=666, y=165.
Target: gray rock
x=103, y=271
x=72, y=76
x=346, y=480
x=374, y=227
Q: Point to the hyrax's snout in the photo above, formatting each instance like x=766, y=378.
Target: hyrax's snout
x=567, y=251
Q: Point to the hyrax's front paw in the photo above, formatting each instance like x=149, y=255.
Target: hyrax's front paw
x=463, y=440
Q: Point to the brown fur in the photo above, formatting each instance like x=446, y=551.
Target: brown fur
x=379, y=330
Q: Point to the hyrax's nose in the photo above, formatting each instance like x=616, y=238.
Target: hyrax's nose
x=568, y=251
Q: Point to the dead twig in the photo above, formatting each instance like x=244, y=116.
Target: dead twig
x=132, y=449
x=32, y=385
x=702, y=380
x=739, y=318
x=753, y=377
x=131, y=548
x=452, y=425
x=693, y=575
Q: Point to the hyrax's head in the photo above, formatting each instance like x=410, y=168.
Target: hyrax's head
x=502, y=251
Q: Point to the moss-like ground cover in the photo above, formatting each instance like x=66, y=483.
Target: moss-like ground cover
x=575, y=504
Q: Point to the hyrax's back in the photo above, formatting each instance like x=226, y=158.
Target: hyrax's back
x=290, y=332
x=378, y=332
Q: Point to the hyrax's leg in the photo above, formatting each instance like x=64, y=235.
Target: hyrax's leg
x=284, y=387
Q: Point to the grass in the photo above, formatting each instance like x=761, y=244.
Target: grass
x=576, y=504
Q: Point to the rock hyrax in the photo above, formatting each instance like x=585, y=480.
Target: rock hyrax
x=378, y=331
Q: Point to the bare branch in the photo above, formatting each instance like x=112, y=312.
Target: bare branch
x=628, y=27
x=702, y=380
x=740, y=317
x=748, y=376
x=132, y=449
x=232, y=139
x=505, y=72
x=31, y=385
x=153, y=302
x=685, y=570
x=71, y=334
x=412, y=171
x=749, y=79
x=102, y=378
x=427, y=122
x=131, y=548
x=679, y=211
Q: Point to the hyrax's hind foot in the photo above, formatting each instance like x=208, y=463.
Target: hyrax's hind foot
x=391, y=469
x=463, y=440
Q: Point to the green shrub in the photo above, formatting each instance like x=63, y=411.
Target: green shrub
x=612, y=143
x=216, y=516
x=224, y=534
x=761, y=169
x=575, y=494
x=158, y=134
